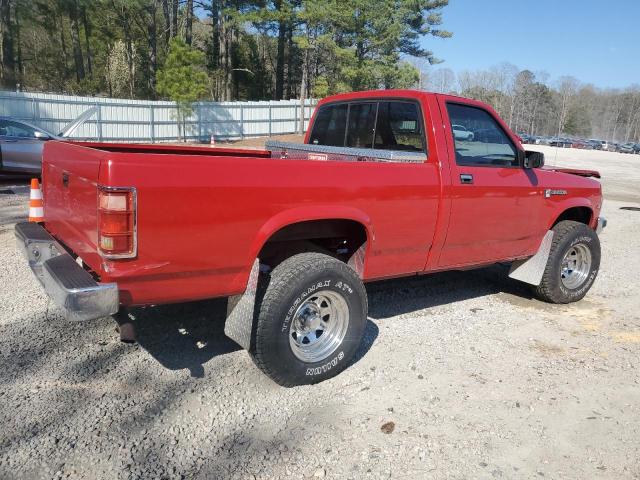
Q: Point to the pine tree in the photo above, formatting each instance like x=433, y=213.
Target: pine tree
x=182, y=78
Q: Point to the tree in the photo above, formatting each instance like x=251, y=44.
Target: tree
x=255, y=49
x=380, y=32
x=566, y=91
x=118, y=75
x=188, y=22
x=182, y=78
x=73, y=11
x=8, y=59
x=442, y=80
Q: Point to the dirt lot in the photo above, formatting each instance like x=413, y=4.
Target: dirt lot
x=479, y=379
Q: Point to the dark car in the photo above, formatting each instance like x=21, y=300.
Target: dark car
x=560, y=142
x=595, y=144
x=526, y=138
x=626, y=148
x=488, y=135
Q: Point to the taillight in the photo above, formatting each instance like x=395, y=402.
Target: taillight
x=117, y=222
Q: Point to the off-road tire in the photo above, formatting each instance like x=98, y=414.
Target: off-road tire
x=289, y=285
x=566, y=235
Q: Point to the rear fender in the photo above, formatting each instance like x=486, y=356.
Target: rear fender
x=302, y=214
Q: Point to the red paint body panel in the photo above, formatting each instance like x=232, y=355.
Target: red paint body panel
x=204, y=214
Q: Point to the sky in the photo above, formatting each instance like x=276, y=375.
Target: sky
x=595, y=41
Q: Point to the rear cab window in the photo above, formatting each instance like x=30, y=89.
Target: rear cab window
x=380, y=124
x=329, y=126
x=479, y=139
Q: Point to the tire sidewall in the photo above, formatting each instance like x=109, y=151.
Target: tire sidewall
x=291, y=367
x=581, y=235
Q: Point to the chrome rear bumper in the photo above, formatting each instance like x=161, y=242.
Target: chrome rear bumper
x=67, y=283
x=602, y=222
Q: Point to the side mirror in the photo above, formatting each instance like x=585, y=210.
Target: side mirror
x=41, y=135
x=533, y=159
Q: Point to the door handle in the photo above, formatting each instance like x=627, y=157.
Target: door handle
x=466, y=178
x=65, y=179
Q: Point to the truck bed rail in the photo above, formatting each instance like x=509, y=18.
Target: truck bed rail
x=303, y=151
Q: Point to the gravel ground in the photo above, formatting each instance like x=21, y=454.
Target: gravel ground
x=461, y=375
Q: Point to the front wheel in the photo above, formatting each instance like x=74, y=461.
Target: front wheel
x=311, y=320
x=572, y=265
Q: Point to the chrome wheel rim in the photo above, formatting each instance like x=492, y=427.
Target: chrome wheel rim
x=319, y=326
x=576, y=266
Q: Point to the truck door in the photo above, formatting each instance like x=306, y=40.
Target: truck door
x=495, y=202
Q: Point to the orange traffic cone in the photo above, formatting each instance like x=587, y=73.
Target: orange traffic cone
x=36, y=207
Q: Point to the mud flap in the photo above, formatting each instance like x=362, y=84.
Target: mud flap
x=356, y=261
x=530, y=270
x=240, y=308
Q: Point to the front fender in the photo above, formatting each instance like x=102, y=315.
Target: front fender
x=562, y=206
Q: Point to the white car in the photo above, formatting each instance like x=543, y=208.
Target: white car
x=461, y=133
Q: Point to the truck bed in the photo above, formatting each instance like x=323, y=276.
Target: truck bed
x=203, y=214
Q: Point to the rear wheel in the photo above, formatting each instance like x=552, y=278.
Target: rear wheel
x=311, y=320
x=572, y=265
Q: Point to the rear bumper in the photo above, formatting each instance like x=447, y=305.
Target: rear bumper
x=67, y=283
x=602, y=222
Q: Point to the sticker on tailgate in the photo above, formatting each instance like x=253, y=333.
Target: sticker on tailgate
x=318, y=156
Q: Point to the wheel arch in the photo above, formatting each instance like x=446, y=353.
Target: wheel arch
x=292, y=220
x=582, y=212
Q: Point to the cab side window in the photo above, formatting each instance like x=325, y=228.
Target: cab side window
x=399, y=127
x=479, y=140
x=13, y=129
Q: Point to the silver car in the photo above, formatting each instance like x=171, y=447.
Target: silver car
x=460, y=132
x=21, y=143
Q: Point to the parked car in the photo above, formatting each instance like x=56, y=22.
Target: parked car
x=290, y=233
x=626, y=148
x=526, y=138
x=581, y=144
x=21, y=143
x=636, y=148
x=595, y=144
x=560, y=142
x=488, y=135
x=614, y=147
x=460, y=132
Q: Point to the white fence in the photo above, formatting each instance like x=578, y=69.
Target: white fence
x=147, y=121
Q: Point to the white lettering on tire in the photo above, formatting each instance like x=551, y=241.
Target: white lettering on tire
x=302, y=296
x=326, y=367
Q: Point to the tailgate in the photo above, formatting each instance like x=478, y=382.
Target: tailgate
x=69, y=177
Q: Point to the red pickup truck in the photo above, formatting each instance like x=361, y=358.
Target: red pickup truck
x=381, y=188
